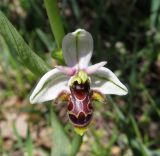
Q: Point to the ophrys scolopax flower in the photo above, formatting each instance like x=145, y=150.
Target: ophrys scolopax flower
x=77, y=82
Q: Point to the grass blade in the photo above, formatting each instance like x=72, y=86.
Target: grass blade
x=29, y=144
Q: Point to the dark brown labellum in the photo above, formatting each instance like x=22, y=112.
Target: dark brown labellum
x=80, y=110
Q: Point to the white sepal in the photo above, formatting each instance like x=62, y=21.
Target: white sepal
x=49, y=86
x=105, y=81
x=77, y=48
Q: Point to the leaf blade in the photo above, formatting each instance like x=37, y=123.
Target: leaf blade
x=23, y=52
x=61, y=143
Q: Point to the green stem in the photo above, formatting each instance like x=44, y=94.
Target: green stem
x=60, y=139
x=55, y=20
x=76, y=144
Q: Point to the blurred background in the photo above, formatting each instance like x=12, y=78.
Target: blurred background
x=127, y=35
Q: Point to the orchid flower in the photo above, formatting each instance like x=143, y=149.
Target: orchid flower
x=78, y=83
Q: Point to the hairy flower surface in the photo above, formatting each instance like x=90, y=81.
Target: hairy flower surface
x=77, y=82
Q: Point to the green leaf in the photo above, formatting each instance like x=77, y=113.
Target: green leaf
x=155, y=11
x=29, y=144
x=18, y=137
x=119, y=114
x=23, y=52
x=76, y=9
x=46, y=40
x=138, y=148
x=55, y=20
x=61, y=144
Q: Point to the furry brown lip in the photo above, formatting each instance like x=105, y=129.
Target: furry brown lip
x=80, y=110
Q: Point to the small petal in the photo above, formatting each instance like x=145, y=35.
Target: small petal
x=77, y=48
x=49, y=86
x=105, y=81
x=95, y=67
x=62, y=97
x=66, y=70
x=98, y=96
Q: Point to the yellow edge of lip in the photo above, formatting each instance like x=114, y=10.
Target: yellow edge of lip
x=80, y=130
